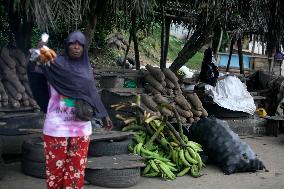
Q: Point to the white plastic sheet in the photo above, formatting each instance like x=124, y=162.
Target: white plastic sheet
x=232, y=94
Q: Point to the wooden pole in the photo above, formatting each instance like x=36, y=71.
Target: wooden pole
x=127, y=49
x=230, y=53
x=240, y=53
x=220, y=41
x=135, y=42
x=162, y=38
x=167, y=39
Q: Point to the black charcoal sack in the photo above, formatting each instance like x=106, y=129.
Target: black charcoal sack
x=224, y=147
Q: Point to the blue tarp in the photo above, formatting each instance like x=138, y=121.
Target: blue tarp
x=234, y=61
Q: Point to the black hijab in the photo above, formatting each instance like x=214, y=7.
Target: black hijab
x=209, y=71
x=74, y=77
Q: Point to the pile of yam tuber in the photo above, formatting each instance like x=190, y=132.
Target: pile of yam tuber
x=15, y=91
x=163, y=88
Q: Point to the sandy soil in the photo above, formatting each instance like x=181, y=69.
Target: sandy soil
x=270, y=149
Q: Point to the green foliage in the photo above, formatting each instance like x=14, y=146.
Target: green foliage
x=225, y=42
x=36, y=34
x=195, y=62
x=151, y=45
x=105, y=57
x=4, y=31
x=175, y=45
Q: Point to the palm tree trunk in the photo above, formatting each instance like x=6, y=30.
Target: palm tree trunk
x=20, y=26
x=197, y=40
x=91, y=23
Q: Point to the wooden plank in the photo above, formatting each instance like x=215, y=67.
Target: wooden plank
x=118, y=70
x=259, y=98
x=123, y=161
x=20, y=114
x=98, y=135
x=276, y=118
x=190, y=80
x=102, y=134
x=20, y=109
x=32, y=130
x=126, y=90
x=123, y=75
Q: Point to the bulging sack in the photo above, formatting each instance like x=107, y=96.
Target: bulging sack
x=224, y=147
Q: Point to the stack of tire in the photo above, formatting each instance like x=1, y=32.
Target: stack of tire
x=111, y=177
x=33, y=159
x=33, y=162
x=2, y=166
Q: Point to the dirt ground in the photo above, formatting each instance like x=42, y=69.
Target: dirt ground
x=270, y=149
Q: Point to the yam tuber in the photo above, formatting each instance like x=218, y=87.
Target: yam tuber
x=12, y=91
x=156, y=84
x=28, y=88
x=150, y=89
x=160, y=99
x=19, y=56
x=196, y=119
x=166, y=112
x=2, y=89
x=182, y=102
x=169, y=92
x=170, y=75
x=169, y=84
x=194, y=100
x=13, y=102
x=204, y=113
x=190, y=120
x=156, y=72
x=26, y=103
x=7, y=59
x=182, y=112
x=196, y=113
x=149, y=102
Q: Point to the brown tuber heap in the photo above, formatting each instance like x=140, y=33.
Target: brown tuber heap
x=14, y=86
x=164, y=90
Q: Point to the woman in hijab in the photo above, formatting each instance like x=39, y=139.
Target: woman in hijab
x=66, y=138
x=209, y=71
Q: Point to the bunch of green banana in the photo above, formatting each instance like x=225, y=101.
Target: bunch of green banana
x=156, y=167
x=182, y=157
x=147, y=154
x=187, y=158
x=140, y=136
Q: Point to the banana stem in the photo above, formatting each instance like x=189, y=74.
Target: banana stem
x=178, y=137
x=138, y=100
x=177, y=116
x=151, y=132
x=154, y=136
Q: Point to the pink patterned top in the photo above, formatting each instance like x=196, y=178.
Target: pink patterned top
x=60, y=118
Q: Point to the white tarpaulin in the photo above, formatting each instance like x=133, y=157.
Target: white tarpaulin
x=232, y=94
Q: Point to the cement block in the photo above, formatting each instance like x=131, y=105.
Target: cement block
x=247, y=126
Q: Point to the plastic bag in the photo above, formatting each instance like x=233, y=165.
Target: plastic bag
x=224, y=147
